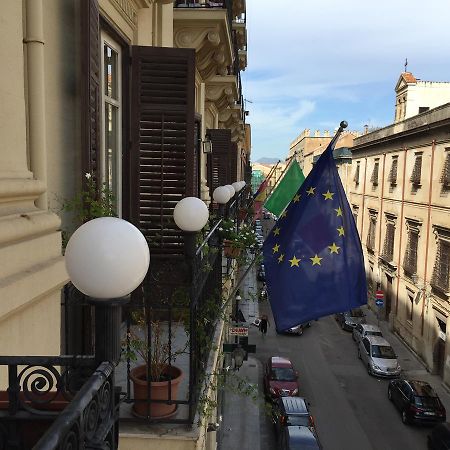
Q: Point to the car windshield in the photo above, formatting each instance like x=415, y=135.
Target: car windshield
x=374, y=333
x=301, y=421
x=383, y=351
x=426, y=402
x=283, y=374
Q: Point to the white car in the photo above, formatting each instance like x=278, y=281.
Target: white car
x=378, y=356
x=364, y=329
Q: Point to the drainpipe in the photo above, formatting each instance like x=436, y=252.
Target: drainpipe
x=34, y=46
x=430, y=192
x=401, y=231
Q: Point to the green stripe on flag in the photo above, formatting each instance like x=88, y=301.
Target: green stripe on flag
x=286, y=189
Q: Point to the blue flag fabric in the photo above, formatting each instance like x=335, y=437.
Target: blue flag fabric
x=313, y=257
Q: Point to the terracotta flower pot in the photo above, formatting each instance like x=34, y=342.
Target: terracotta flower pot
x=230, y=250
x=159, y=390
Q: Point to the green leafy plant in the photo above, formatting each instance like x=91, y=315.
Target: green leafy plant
x=245, y=238
x=92, y=202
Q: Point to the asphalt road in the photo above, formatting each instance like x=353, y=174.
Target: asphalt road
x=350, y=408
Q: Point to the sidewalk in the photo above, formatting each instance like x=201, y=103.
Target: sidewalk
x=240, y=427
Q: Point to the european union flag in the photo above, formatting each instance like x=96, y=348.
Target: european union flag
x=313, y=257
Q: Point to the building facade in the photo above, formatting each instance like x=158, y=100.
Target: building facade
x=399, y=193
x=128, y=92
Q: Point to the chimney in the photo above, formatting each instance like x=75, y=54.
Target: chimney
x=366, y=129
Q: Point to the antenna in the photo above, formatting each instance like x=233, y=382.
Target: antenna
x=246, y=101
x=406, y=64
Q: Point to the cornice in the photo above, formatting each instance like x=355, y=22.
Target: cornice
x=127, y=9
x=222, y=90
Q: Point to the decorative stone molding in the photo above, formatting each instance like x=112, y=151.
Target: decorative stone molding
x=127, y=10
x=238, y=7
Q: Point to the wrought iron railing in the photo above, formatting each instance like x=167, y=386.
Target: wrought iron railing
x=59, y=402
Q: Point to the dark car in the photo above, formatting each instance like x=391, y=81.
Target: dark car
x=349, y=319
x=416, y=401
x=298, y=438
x=261, y=273
x=439, y=438
x=280, y=378
x=291, y=411
x=297, y=329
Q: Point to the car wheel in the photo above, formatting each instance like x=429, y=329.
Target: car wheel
x=390, y=394
x=404, y=418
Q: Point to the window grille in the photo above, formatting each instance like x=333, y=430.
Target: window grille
x=392, y=178
x=417, y=170
x=374, y=178
x=388, y=247
x=356, y=178
x=410, y=259
x=370, y=242
x=445, y=177
x=441, y=272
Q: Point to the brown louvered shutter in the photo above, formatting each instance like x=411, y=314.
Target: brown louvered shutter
x=374, y=178
x=356, y=177
x=197, y=156
x=388, y=247
x=392, y=178
x=162, y=150
x=445, y=177
x=410, y=260
x=234, y=160
x=417, y=170
x=90, y=112
x=219, y=166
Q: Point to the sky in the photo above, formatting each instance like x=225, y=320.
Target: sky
x=312, y=64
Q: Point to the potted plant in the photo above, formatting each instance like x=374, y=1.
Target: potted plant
x=155, y=372
x=235, y=242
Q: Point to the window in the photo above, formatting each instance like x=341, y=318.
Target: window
x=388, y=247
x=409, y=306
x=355, y=209
x=374, y=177
x=441, y=272
x=410, y=259
x=111, y=136
x=370, y=242
x=356, y=177
x=423, y=109
x=445, y=177
x=392, y=178
x=417, y=170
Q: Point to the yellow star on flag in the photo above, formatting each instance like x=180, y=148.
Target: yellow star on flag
x=280, y=258
x=296, y=198
x=334, y=248
x=328, y=195
x=284, y=214
x=276, y=248
x=338, y=212
x=341, y=231
x=294, y=261
x=276, y=232
x=316, y=260
x=311, y=190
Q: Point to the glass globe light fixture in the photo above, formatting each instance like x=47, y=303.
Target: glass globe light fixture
x=237, y=186
x=107, y=258
x=221, y=195
x=191, y=214
x=231, y=190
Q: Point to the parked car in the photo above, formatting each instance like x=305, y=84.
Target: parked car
x=280, y=378
x=364, y=329
x=289, y=411
x=298, y=438
x=378, y=356
x=349, y=319
x=417, y=401
x=298, y=329
x=439, y=438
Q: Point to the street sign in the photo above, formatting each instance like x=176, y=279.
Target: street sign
x=379, y=295
x=239, y=331
x=379, y=302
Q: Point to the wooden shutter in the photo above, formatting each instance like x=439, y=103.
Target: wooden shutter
x=374, y=178
x=234, y=160
x=417, y=170
x=162, y=147
x=356, y=177
x=219, y=167
x=90, y=66
x=410, y=260
x=445, y=177
x=392, y=178
x=388, y=248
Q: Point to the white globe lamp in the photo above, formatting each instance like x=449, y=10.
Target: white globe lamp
x=230, y=189
x=221, y=195
x=107, y=258
x=191, y=214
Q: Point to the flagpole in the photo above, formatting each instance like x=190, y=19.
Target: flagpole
x=288, y=163
x=342, y=126
x=266, y=178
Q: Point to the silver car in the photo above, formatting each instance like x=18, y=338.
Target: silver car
x=364, y=329
x=378, y=356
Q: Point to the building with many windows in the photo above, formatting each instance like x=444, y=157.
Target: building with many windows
x=400, y=195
